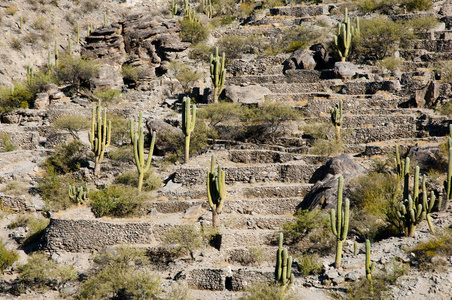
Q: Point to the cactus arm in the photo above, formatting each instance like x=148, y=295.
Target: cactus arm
x=346, y=220
x=333, y=221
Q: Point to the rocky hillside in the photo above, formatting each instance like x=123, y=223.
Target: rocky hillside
x=272, y=134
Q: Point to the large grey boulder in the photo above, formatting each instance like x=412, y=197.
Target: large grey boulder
x=246, y=94
x=165, y=137
x=324, y=192
x=300, y=59
x=345, y=69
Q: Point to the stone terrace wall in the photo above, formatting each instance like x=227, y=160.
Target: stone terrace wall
x=87, y=235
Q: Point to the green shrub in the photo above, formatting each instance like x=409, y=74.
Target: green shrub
x=305, y=222
x=391, y=63
x=35, y=225
x=439, y=246
x=67, y=158
x=120, y=130
x=121, y=273
x=267, y=291
x=309, y=265
x=21, y=97
x=199, y=138
x=131, y=75
x=258, y=254
x=301, y=37
x=382, y=6
x=234, y=46
x=108, y=96
x=418, y=5
x=7, y=144
x=271, y=3
x=40, y=80
x=446, y=109
x=41, y=270
x=423, y=23
x=327, y=147
x=151, y=181
x=186, y=239
x=76, y=71
x=178, y=291
x=122, y=154
x=117, y=201
x=72, y=123
x=15, y=188
x=184, y=74
x=16, y=44
x=192, y=31
x=379, y=36
x=381, y=282
x=200, y=52
x=317, y=130
x=7, y=257
x=53, y=189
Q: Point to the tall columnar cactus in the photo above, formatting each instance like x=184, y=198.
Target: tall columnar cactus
x=448, y=181
x=217, y=74
x=344, y=34
x=173, y=8
x=105, y=22
x=99, y=135
x=78, y=33
x=370, y=267
x=283, y=269
x=192, y=16
x=428, y=204
x=207, y=8
x=56, y=53
x=79, y=194
x=410, y=211
x=339, y=222
x=337, y=119
x=30, y=75
x=69, y=45
x=137, y=140
x=400, y=165
x=216, y=191
x=186, y=7
x=188, y=123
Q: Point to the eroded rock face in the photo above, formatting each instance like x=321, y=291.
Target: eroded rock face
x=139, y=40
x=300, y=59
x=324, y=193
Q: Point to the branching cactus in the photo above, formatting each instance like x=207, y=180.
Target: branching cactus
x=283, y=269
x=207, y=8
x=173, y=8
x=216, y=191
x=410, y=211
x=188, y=123
x=344, y=34
x=217, y=74
x=99, y=135
x=339, y=222
x=79, y=194
x=138, y=150
x=370, y=267
x=428, y=204
x=337, y=119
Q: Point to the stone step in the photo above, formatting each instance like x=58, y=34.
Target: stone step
x=300, y=11
x=315, y=107
x=336, y=86
x=260, y=206
x=250, y=65
x=370, y=121
x=268, y=156
x=291, y=76
x=388, y=147
x=288, y=172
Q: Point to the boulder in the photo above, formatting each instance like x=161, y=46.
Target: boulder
x=446, y=9
x=42, y=100
x=324, y=192
x=246, y=94
x=166, y=134
x=345, y=70
x=321, y=56
x=300, y=59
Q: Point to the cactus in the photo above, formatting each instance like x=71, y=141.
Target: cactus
x=21, y=23
x=192, y=16
x=105, y=22
x=69, y=44
x=89, y=29
x=30, y=75
x=138, y=150
x=207, y=8
x=217, y=74
x=283, y=269
x=400, y=165
x=337, y=119
x=428, y=204
x=79, y=194
x=186, y=7
x=369, y=267
x=339, y=222
x=99, y=135
x=216, y=191
x=56, y=53
x=448, y=181
x=343, y=37
x=173, y=8
x=188, y=123
x=78, y=33
x=410, y=211
x=355, y=248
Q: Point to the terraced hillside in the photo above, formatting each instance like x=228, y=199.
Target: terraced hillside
x=266, y=180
